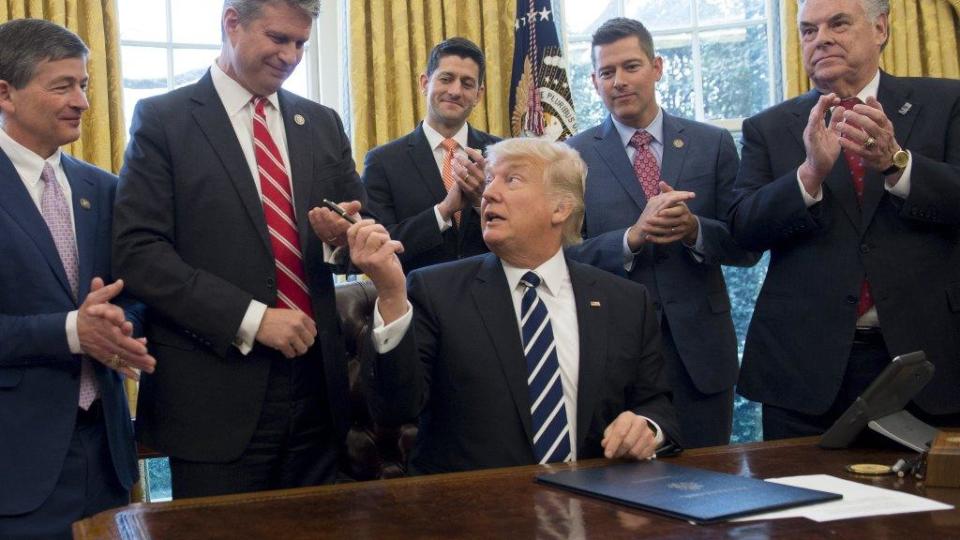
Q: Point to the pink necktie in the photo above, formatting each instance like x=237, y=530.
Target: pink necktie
x=53, y=207
x=857, y=172
x=645, y=163
x=277, y=198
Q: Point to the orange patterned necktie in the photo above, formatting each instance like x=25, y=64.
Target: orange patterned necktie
x=449, y=179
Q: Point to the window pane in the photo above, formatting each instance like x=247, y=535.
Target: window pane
x=718, y=11
x=583, y=18
x=735, y=79
x=142, y=21
x=297, y=83
x=675, y=89
x=196, y=21
x=144, y=75
x=190, y=64
x=586, y=102
x=659, y=14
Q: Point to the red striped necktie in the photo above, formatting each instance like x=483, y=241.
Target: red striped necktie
x=277, y=198
x=857, y=172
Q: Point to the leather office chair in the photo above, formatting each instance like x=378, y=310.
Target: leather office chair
x=372, y=451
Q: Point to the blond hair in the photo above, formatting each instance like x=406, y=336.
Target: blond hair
x=564, y=174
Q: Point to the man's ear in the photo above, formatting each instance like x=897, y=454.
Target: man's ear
x=424, y=80
x=6, y=96
x=230, y=22
x=561, y=211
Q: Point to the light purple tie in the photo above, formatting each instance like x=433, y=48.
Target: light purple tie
x=53, y=206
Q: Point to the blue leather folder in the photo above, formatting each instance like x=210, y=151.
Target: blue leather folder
x=695, y=495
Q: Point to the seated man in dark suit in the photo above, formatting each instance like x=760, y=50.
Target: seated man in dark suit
x=854, y=187
x=66, y=440
x=412, y=182
x=519, y=356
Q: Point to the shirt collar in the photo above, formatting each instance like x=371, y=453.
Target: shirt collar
x=232, y=94
x=434, y=138
x=27, y=162
x=655, y=128
x=871, y=89
x=553, y=273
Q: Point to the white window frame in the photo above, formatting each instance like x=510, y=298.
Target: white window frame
x=323, y=58
x=771, y=19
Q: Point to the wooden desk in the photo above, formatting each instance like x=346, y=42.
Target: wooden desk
x=506, y=503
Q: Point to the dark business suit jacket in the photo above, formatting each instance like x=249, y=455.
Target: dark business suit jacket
x=39, y=378
x=191, y=242
x=404, y=185
x=801, y=333
x=460, y=367
x=691, y=294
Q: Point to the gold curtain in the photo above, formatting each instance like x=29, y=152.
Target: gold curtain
x=923, y=42
x=95, y=21
x=389, y=44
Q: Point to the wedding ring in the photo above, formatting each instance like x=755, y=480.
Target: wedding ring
x=869, y=143
x=673, y=229
x=115, y=361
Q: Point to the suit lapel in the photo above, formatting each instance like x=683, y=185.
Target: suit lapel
x=611, y=150
x=592, y=329
x=16, y=201
x=418, y=148
x=85, y=223
x=299, y=154
x=894, y=97
x=673, y=155
x=212, y=119
x=491, y=295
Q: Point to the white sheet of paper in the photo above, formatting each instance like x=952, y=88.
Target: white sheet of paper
x=859, y=500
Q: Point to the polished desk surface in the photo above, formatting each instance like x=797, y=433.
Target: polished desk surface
x=506, y=503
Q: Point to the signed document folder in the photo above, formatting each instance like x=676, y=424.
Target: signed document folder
x=691, y=494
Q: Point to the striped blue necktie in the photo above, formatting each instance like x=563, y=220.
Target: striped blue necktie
x=551, y=432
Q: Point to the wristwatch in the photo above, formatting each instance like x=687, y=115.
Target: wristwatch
x=900, y=160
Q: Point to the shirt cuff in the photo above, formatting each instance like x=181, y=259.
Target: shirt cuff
x=807, y=199
x=249, y=326
x=386, y=337
x=902, y=187
x=696, y=250
x=443, y=224
x=628, y=256
x=659, y=439
x=73, y=335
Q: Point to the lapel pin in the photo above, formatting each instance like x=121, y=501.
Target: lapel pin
x=594, y=303
x=299, y=119
x=905, y=109
x=85, y=203
x=678, y=143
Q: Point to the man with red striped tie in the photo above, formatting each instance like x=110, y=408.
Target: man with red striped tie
x=212, y=233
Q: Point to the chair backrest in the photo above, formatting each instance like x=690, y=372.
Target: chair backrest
x=372, y=451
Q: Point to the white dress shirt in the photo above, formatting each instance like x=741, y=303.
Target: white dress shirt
x=556, y=292
x=869, y=319
x=655, y=129
x=29, y=166
x=435, y=140
x=237, y=101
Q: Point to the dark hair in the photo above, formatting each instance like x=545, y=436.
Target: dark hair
x=456, y=46
x=618, y=28
x=24, y=43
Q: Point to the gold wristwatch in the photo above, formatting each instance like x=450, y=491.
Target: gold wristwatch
x=900, y=160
